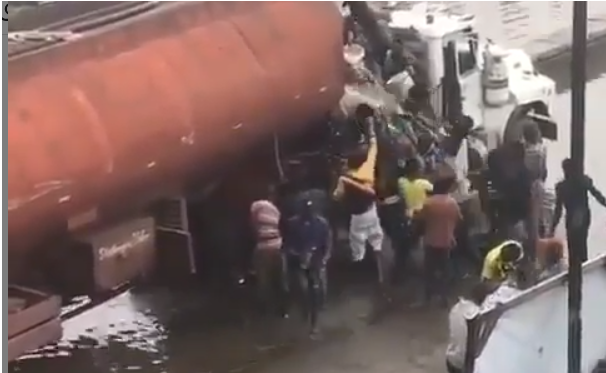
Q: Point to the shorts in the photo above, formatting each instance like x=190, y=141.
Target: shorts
x=365, y=229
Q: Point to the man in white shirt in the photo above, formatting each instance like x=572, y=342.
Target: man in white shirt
x=467, y=308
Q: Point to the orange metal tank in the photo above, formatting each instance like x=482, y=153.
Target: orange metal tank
x=128, y=110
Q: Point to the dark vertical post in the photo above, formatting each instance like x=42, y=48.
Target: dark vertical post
x=577, y=151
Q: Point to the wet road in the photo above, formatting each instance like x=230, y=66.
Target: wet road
x=595, y=130
x=161, y=332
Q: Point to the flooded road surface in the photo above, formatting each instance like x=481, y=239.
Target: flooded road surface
x=167, y=332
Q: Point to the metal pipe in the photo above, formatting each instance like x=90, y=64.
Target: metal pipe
x=577, y=151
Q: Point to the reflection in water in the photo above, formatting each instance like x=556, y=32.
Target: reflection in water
x=162, y=331
x=125, y=335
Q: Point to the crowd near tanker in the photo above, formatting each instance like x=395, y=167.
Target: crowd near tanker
x=417, y=152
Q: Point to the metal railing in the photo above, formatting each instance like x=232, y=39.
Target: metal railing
x=482, y=327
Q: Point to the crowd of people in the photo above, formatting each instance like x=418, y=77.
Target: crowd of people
x=414, y=211
x=295, y=239
x=502, y=272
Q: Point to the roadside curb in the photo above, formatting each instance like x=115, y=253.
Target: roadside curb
x=557, y=49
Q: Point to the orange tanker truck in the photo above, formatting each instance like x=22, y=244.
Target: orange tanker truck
x=112, y=114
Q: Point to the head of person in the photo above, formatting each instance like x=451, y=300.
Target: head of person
x=308, y=209
x=568, y=168
x=413, y=168
x=477, y=292
x=511, y=252
x=397, y=47
x=269, y=192
x=444, y=185
x=363, y=112
x=411, y=105
x=532, y=135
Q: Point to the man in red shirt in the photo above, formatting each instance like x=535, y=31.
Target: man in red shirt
x=439, y=218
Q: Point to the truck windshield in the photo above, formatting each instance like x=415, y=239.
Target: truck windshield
x=466, y=54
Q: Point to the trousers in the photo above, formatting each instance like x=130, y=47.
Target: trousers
x=365, y=229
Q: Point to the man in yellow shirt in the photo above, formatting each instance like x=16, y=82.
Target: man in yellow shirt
x=501, y=260
x=413, y=187
x=356, y=191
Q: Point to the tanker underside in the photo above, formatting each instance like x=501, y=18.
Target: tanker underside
x=168, y=242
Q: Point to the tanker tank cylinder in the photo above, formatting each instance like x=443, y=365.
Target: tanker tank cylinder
x=133, y=94
x=495, y=76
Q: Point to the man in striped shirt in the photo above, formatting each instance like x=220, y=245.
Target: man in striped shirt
x=267, y=259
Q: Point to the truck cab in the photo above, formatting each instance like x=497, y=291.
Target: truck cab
x=500, y=89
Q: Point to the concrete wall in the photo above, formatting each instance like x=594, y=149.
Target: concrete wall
x=542, y=28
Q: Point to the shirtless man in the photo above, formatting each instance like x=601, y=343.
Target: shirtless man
x=439, y=218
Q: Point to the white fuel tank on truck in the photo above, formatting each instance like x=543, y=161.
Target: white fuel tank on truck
x=495, y=82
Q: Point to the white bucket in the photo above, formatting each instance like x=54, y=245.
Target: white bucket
x=354, y=54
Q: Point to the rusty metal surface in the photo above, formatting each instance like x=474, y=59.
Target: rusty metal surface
x=129, y=108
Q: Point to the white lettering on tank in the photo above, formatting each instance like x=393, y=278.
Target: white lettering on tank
x=121, y=249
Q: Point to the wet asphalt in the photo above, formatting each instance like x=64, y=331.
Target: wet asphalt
x=199, y=331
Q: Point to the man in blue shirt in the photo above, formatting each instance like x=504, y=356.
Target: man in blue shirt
x=308, y=247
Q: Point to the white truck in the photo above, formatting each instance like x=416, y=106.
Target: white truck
x=529, y=333
x=500, y=89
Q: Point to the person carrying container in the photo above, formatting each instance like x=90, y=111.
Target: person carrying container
x=356, y=190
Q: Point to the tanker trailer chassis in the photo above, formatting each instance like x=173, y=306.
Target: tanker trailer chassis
x=99, y=264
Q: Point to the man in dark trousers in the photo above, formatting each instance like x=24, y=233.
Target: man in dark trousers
x=308, y=249
x=576, y=203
